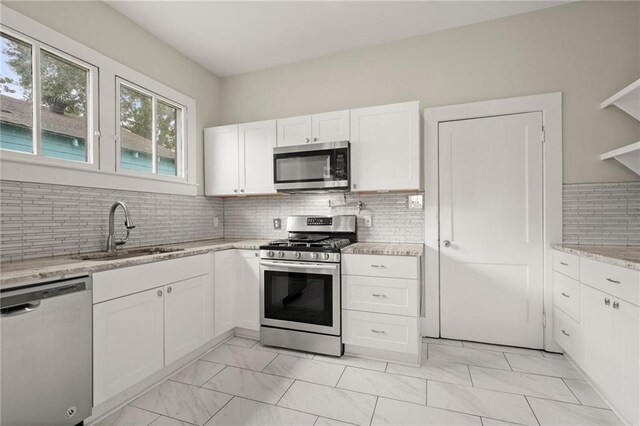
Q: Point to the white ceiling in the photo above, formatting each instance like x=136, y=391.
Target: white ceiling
x=231, y=37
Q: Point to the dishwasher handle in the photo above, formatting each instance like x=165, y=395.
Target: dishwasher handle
x=24, y=308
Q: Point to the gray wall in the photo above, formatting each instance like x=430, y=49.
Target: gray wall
x=100, y=27
x=588, y=50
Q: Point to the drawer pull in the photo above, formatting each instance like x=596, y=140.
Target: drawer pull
x=564, y=263
x=378, y=266
x=378, y=331
x=607, y=302
x=613, y=281
x=565, y=294
x=383, y=296
x=616, y=305
x=565, y=333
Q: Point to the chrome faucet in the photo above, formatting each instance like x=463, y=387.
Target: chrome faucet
x=112, y=243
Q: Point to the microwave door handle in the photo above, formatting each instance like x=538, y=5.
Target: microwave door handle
x=299, y=266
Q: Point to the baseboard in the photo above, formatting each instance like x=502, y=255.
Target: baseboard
x=383, y=355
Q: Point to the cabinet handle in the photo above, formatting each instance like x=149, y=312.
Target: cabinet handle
x=613, y=281
x=256, y=254
x=565, y=333
x=564, y=264
x=315, y=139
x=378, y=331
x=355, y=186
x=242, y=190
x=378, y=266
x=607, y=301
x=168, y=289
x=235, y=190
x=159, y=293
x=565, y=294
x=384, y=296
x=307, y=140
x=616, y=305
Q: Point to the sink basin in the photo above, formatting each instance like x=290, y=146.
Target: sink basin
x=123, y=254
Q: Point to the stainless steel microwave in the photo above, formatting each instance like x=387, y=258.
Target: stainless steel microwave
x=312, y=167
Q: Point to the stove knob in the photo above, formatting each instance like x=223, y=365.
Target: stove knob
x=280, y=254
x=297, y=255
x=314, y=255
x=325, y=256
x=270, y=253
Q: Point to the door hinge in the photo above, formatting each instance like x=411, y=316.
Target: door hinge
x=543, y=135
x=544, y=320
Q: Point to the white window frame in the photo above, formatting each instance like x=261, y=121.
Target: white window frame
x=180, y=149
x=105, y=173
x=92, y=108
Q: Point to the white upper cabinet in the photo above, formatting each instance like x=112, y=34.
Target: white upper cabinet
x=222, y=166
x=385, y=147
x=294, y=130
x=330, y=127
x=316, y=128
x=257, y=141
x=239, y=159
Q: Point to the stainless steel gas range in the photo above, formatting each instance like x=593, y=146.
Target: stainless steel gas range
x=300, y=289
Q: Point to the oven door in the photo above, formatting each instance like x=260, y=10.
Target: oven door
x=313, y=166
x=300, y=296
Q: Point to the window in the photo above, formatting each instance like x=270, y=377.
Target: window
x=46, y=101
x=151, y=132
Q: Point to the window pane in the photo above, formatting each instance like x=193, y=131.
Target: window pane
x=16, y=94
x=135, y=130
x=63, y=108
x=167, y=136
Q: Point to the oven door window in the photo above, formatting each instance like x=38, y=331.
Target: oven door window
x=304, y=167
x=298, y=297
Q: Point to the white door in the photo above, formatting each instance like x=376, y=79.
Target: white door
x=294, y=130
x=248, y=297
x=127, y=342
x=221, y=160
x=257, y=141
x=330, y=127
x=188, y=316
x=225, y=282
x=491, y=276
x=385, y=147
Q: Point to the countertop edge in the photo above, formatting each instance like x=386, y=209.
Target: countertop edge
x=587, y=252
x=386, y=249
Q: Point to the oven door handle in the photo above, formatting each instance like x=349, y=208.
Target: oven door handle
x=300, y=265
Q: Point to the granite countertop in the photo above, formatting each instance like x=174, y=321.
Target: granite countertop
x=625, y=256
x=15, y=274
x=389, y=249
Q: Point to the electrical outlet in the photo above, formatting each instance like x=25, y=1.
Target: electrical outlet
x=368, y=221
x=415, y=202
x=216, y=223
x=277, y=223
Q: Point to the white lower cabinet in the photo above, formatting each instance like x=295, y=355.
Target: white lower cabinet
x=226, y=281
x=248, y=288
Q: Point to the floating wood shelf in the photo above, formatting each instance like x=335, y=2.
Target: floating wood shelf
x=628, y=155
x=627, y=99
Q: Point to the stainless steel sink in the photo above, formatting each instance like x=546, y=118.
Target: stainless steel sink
x=123, y=254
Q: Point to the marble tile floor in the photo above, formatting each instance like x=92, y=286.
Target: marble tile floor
x=241, y=382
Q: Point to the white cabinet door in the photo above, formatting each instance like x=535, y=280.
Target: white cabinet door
x=330, y=127
x=127, y=342
x=188, y=316
x=248, y=290
x=626, y=360
x=221, y=160
x=257, y=141
x=597, y=325
x=385, y=148
x=294, y=130
x=225, y=282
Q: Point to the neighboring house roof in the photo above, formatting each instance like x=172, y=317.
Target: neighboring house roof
x=18, y=112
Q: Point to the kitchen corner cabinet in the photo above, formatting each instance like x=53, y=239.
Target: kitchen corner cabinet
x=239, y=159
x=225, y=283
x=317, y=128
x=385, y=147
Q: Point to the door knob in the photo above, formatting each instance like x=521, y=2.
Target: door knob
x=446, y=243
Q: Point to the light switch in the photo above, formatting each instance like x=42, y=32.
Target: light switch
x=415, y=202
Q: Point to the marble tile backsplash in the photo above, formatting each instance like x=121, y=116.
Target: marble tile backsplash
x=42, y=220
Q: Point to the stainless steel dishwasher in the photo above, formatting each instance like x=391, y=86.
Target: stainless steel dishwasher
x=46, y=349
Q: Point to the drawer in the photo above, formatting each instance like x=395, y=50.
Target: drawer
x=395, y=296
x=566, y=295
x=566, y=332
x=566, y=263
x=620, y=282
x=381, y=331
x=124, y=281
x=381, y=266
